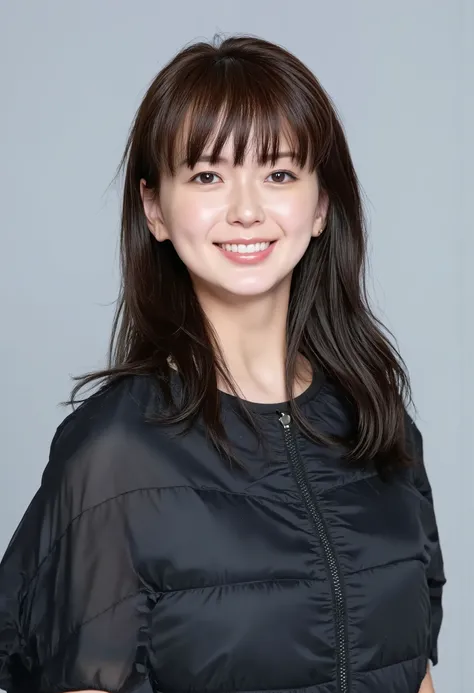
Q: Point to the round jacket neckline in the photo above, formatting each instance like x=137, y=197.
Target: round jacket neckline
x=228, y=400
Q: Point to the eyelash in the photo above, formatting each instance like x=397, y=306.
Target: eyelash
x=288, y=173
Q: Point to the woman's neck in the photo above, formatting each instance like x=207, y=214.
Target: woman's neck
x=252, y=339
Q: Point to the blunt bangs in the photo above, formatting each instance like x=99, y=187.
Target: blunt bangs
x=224, y=97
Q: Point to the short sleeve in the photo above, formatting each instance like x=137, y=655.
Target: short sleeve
x=435, y=571
x=73, y=612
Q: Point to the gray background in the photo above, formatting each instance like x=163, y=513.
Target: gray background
x=401, y=74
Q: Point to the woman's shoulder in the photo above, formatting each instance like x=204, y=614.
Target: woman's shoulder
x=96, y=450
x=113, y=404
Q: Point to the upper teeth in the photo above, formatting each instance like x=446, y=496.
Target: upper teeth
x=241, y=248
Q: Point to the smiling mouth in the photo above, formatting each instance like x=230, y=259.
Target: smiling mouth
x=252, y=252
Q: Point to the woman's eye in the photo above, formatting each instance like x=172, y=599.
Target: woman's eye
x=278, y=176
x=206, y=177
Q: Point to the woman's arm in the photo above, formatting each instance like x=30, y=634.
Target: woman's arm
x=427, y=684
x=68, y=579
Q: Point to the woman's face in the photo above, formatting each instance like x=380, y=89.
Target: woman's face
x=239, y=230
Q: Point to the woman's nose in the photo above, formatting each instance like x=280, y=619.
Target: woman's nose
x=245, y=206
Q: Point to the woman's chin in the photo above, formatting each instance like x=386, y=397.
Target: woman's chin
x=251, y=289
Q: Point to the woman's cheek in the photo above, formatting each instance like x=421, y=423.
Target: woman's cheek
x=197, y=213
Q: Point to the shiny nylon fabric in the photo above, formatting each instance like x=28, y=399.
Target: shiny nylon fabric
x=145, y=563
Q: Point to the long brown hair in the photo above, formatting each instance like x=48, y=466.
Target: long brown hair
x=252, y=82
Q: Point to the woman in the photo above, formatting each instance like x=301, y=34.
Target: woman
x=242, y=505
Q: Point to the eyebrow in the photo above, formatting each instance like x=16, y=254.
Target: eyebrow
x=222, y=160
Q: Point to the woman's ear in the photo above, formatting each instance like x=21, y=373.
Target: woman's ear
x=153, y=214
x=320, y=218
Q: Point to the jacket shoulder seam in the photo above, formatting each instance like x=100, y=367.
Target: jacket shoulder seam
x=85, y=511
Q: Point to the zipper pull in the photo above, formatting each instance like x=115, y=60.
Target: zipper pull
x=284, y=419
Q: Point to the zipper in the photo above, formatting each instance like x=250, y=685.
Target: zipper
x=298, y=469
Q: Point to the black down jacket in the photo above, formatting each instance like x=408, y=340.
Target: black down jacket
x=145, y=563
